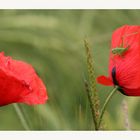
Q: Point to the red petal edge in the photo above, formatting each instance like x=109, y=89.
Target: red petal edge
x=104, y=81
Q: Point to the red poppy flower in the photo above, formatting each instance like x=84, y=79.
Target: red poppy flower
x=124, y=70
x=19, y=83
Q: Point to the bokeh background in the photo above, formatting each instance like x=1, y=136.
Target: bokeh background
x=52, y=41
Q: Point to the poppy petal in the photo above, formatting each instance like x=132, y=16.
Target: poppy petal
x=104, y=80
x=19, y=83
x=127, y=65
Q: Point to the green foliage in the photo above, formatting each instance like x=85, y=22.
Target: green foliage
x=52, y=41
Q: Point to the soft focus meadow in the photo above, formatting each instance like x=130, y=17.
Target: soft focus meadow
x=53, y=42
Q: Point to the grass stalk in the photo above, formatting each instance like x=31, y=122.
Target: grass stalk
x=92, y=92
x=21, y=116
x=125, y=115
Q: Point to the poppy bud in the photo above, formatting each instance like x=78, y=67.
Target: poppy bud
x=19, y=83
x=124, y=69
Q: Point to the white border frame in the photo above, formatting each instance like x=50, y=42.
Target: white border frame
x=69, y=4
x=70, y=135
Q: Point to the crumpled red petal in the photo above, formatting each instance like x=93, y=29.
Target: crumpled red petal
x=19, y=83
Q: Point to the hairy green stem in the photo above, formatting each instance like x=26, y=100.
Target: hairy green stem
x=105, y=105
x=21, y=117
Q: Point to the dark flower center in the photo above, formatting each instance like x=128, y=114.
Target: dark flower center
x=115, y=82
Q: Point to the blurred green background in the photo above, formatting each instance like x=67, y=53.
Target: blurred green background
x=52, y=41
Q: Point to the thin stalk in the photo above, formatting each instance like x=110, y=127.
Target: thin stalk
x=105, y=105
x=92, y=94
x=91, y=105
x=21, y=117
x=125, y=115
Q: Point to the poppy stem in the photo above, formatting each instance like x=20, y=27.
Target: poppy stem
x=21, y=116
x=105, y=105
